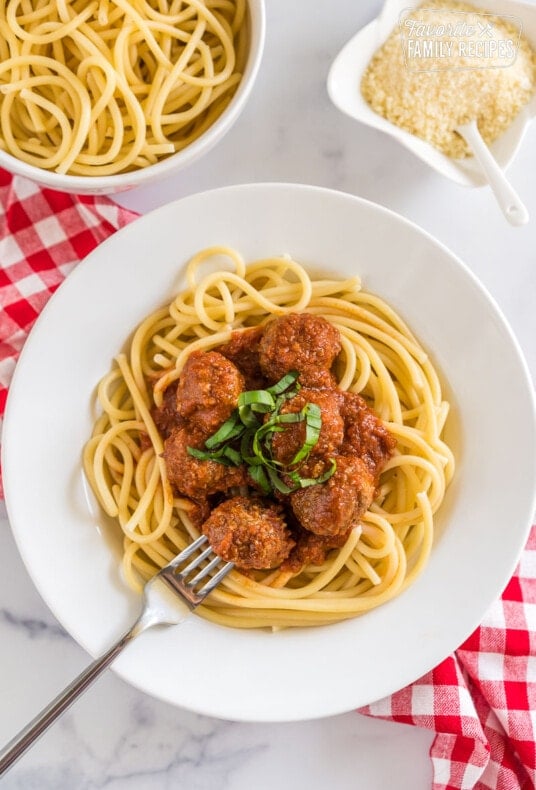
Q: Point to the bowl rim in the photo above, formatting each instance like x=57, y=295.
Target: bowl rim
x=204, y=143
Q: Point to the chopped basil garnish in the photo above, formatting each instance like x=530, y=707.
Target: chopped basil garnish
x=248, y=424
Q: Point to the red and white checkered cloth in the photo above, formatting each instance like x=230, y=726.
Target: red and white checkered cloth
x=481, y=701
x=43, y=235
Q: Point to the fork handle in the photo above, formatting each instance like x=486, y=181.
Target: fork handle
x=29, y=734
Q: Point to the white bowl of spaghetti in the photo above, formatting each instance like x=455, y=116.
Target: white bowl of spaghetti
x=98, y=98
x=320, y=645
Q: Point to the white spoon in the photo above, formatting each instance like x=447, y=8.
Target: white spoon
x=507, y=198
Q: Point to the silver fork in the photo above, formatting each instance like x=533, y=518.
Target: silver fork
x=169, y=597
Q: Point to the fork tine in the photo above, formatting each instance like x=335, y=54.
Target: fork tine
x=216, y=579
x=196, y=562
x=188, y=551
x=205, y=571
x=177, y=578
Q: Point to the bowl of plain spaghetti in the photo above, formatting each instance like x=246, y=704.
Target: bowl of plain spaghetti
x=101, y=97
x=421, y=342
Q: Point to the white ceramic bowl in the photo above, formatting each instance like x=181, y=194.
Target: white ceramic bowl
x=295, y=673
x=344, y=82
x=102, y=185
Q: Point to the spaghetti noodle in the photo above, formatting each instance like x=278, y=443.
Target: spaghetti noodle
x=380, y=359
x=109, y=86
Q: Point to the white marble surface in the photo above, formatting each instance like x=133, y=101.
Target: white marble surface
x=115, y=737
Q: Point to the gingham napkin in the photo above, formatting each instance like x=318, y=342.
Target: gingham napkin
x=481, y=701
x=43, y=235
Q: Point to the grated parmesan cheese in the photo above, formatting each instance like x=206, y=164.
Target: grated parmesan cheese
x=431, y=103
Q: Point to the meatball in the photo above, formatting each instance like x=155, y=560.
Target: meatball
x=333, y=507
x=365, y=434
x=303, y=342
x=243, y=350
x=311, y=549
x=249, y=533
x=166, y=416
x=287, y=443
x=192, y=477
x=208, y=390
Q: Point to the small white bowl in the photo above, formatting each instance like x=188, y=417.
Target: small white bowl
x=346, y=72
x=103, y=185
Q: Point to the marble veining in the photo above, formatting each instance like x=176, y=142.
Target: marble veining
x=31, y=627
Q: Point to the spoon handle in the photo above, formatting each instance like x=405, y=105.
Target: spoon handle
x=507, y=198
